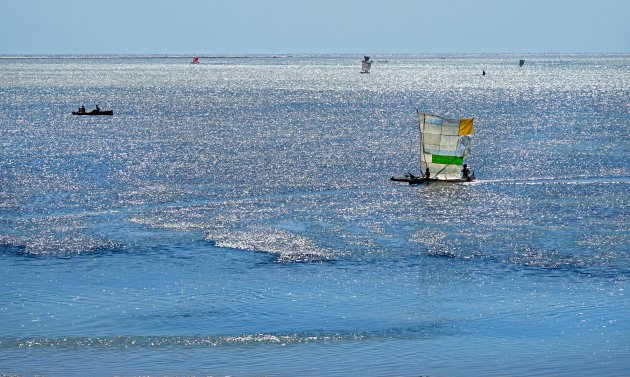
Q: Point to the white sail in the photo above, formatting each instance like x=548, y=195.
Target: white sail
x=366, y=64
x=444, y=142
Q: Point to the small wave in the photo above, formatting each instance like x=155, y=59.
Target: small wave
x=288, y=246
x=48, y=245
x=540, y=261
x=169, y=341
x=422, y=331
x=532, y=255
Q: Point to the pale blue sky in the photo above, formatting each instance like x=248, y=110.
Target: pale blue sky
x=316, y=26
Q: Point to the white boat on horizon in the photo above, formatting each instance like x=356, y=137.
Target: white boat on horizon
x=366, y=64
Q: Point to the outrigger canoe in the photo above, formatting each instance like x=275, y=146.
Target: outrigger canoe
x=413, y=180
x=444, y=144
x=94, y=112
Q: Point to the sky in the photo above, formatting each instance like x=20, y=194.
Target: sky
x=200, y=27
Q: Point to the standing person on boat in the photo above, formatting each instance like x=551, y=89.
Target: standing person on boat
x=98, y=108
x=427, y=174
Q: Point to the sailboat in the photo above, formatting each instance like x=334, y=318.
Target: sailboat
x=366, y=64
x=444, y=143
x=195, y=60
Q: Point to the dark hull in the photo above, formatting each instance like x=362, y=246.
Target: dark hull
x=419, y=181
x=104, y=112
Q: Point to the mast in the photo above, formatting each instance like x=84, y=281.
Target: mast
x=420, y=133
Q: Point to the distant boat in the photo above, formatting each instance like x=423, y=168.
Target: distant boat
x=521, y=62
x=96, y=111
x=444, y=143
x=195, y=60
x=366, y=64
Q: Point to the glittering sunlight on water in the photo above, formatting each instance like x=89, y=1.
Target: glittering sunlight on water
x=237, y=216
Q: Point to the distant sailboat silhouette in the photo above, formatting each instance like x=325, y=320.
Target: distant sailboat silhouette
x=366, y=64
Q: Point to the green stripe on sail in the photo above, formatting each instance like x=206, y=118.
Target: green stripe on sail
x=446, y=160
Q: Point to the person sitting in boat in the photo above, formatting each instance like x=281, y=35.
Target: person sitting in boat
x=82, y=109
x=466, y=172
x=427, y=174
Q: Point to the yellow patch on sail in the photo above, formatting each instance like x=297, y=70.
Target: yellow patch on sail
x=465, y=126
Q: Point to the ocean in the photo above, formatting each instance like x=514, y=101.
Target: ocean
x=236, y=217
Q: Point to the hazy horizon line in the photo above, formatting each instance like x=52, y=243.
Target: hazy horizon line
x=215, y=55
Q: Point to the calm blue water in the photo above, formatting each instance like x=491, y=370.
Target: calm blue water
x=236, y=218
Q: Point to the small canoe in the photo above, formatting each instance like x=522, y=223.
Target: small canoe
x=419, y=180
x=94, y=112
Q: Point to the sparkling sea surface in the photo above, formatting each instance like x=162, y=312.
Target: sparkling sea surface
x=236, y=217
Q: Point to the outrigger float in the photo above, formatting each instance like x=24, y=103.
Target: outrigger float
x=444, y=143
